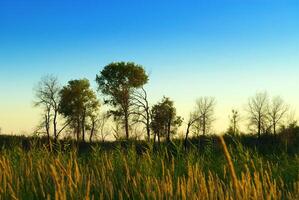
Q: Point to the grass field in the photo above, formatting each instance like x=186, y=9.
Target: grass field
x=266, y=168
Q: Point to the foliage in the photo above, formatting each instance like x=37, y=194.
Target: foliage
x=164, y=120
x=117, y=81
x=78, y=102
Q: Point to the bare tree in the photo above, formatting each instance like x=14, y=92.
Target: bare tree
x=205, y=113
x=140, y=101
x=277, y=110
x=93, y=126
x=98, y=125
x=258, y=112
x=234, y=122
x=117, y=130
x=102, y=127
x=95, y=120
x=137, y=134
x=291, y=117
x=47, y=97
x=192, y=119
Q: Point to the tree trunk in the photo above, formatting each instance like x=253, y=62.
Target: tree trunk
x=83, y=125
x=148, y=131
x=55, y=125
x=148, y=123
x=187, y=133
x=234, y=126
x=78, y=130
x=259, y=127
x=127, y=126
x=204, y=125
x=47, y=124
x=159, y=138
x=148, y=134
x=83, y=129
x=168, y=129
x=92, y=131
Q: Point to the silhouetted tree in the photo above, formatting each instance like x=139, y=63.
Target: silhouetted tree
x=164, y=120
x=92, y=130
x=116, y=130
x=103, y=119
x=157, y=124
x=205, y=113
x=193, y=118
x=258, y=112
x=47, y=97
x=97, y=126
x=117, y=81
x=142, y=111
x=276, y=111
x=92, y=126
x=78, y=103
x=234, y=119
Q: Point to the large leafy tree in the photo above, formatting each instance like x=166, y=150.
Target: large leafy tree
x=117, y=81
x=78, y=104
x=164, y=119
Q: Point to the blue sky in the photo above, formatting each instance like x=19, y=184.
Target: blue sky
x=229, y=49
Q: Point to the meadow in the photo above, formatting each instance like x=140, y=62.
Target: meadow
x=266, y=168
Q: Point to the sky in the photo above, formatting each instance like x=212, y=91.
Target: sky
x=228, y=49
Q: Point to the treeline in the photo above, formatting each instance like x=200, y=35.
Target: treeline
x=75, y=110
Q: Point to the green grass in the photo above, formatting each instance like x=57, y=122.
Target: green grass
x=136, y=170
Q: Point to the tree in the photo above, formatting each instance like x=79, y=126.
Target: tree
x=193, y=118
x=78, y=103
x=117, y=81
x=97, y=126
x=92, y=126
x=276, y=111
x=164, y=120
x=94, y=120
x=258, y=112
x=205, y=112
x=47, y=97
x=140, y=101
x=234, y=122
x=157, y=122
x=103, y=119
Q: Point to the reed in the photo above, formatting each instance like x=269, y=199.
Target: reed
x=119, y=174
x=230, y=167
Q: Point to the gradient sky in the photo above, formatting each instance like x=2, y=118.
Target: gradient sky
x=229, y=49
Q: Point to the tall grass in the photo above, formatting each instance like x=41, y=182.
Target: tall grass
x=151, y=174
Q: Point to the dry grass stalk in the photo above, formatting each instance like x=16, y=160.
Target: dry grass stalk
x=230, y=167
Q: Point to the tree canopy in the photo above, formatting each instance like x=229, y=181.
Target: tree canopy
x=77, y=103
x=164, y=118
x=117, y=81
